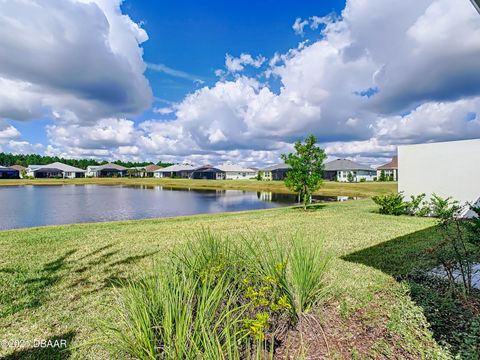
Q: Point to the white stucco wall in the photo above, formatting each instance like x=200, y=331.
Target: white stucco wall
x=446, y=169
x=234, y=175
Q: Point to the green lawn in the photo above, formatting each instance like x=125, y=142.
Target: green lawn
x=329, y=188
x=56, y=281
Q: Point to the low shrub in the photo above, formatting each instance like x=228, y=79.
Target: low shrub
x=444, y=208
x=417, y=206
x=218, y=299
x=391, y=204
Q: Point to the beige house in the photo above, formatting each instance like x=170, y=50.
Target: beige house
x=390, y=170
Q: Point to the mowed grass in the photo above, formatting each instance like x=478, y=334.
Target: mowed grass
x=55, y=282
x=329, y=188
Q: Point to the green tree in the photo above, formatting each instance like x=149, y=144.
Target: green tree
x=350, y=177
x=383, y=176
x=305, y=175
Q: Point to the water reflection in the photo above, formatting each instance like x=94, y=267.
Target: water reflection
x=28, y=206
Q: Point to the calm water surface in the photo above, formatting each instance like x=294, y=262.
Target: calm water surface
x=29, y=206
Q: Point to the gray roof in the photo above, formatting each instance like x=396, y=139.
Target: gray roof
x=233, y=168
x=175, y=168
x=108, y=166
x=3, y=168
x=64, y=167
x=56, y=166
x=277, y=167
x=345, y=165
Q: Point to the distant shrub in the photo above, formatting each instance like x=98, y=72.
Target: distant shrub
x=382, y=176
x=391, y=204
x=350, y=177
x=363, y=180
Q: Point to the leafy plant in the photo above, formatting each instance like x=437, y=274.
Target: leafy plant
x=417, y=206
x=391, y=204
x=305, y=174
x=474, y=226
x=217, y=299
x=383, y=176
x=350, y=177
x=444, y=208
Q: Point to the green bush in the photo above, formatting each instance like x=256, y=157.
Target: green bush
x=391, y=204
x=217, y=299
x=444, y=208
x=417, y=206
x=350, y=177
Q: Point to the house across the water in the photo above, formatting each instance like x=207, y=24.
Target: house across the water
x=389, y=170
x=107, y=170
x=223, y=172
x=208, y=172
x=345, y=170
x=275, y=172
x=175, y=171
x=149, y=170
x=21, y=169
x=9, y=173
x=54, y=170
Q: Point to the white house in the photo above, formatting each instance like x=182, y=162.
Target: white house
x=389, y=170
x=237, y=172
x=54, y=170
x=180, y=171
x=448, y=169
x=107, y=170
x=339, y=170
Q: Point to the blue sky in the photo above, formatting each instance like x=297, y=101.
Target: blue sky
x=216, y=81
x=194, y=36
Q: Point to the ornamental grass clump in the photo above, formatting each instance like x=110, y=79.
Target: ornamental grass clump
x=218, y=299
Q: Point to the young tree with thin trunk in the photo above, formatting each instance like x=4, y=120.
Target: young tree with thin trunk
x=305, y=174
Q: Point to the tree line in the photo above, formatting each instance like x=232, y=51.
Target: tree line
x=8, y=159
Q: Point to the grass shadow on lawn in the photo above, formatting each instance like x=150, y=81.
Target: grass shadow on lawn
x=33, y=287
x=29, y=288
x=453, y=321
x=57, y=349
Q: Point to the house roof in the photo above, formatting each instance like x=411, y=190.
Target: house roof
x=17, y=167
x=152, y=168
x=277, y=167
x=56, y=166
x=345, y=165
x=64, y=167
x=393, y=164
x=175, y=168
x=3, y=168
x=233, y=168
x=109, y=166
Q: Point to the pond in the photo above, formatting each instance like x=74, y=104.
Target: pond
x=30, y=206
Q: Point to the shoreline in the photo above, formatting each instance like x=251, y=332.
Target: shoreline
x=366, y=189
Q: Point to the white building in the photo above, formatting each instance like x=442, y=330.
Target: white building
x=343, y=170
x=54, y=170
x=106, y=170
x=237, y=172
x=448, y=169
x=389, y=170
x=176, y=171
